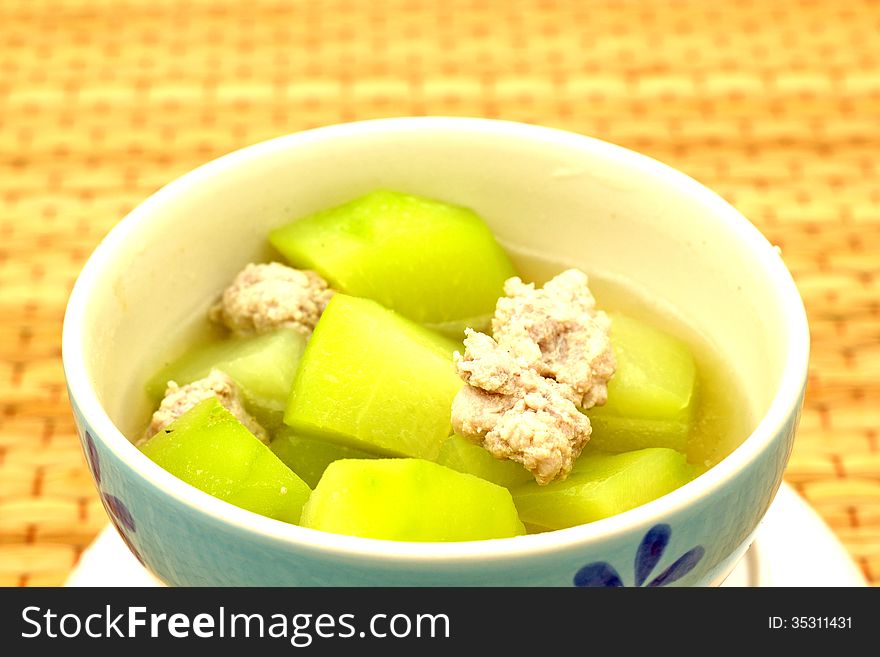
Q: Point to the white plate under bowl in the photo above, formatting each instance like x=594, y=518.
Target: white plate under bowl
x=793, y=547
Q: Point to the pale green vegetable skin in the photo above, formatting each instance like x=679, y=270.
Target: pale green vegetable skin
x=462, y=455
x=374, y=380
x=262, y=366
x=309, y=457
x=651, y=396
x=602, y=485
x=435, y=263
x=208, y=448
x=409, y=500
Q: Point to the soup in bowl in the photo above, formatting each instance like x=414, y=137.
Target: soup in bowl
x=658, y=248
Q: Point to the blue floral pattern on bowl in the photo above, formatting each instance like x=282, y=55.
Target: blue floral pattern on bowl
x=119, y=514
x=648, y=555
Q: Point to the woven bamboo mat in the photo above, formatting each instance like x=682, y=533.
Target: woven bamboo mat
x=776, y=105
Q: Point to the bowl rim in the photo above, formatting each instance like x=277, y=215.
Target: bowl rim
x=784, y=406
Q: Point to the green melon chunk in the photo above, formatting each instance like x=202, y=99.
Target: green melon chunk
x=208, y=448
x=602, y=485
x=309, y=457
x=462, y=455
x=621, y=434
x=409, y=500
x=262, y=366
x=374, y=380
x=435, y=263
x=651, y=396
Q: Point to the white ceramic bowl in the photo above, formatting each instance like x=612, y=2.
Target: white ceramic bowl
x=591, y=204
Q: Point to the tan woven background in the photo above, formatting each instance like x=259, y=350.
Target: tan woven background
x=776, y=105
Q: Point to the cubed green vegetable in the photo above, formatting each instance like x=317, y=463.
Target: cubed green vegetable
x=462, y=455
x=409, y=500
x=262, y=366
x=374, y=380
x=207, y=447
x=602, y=485
x=652, y=394
x=309, y=457
x=435, y=263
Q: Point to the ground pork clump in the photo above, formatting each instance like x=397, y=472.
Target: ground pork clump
x=264, y=297
x=179, y=399
x=515, y=413
x=557, y=331
x=551, y=353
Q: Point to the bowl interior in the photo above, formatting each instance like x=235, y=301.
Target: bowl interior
x=592, y=205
